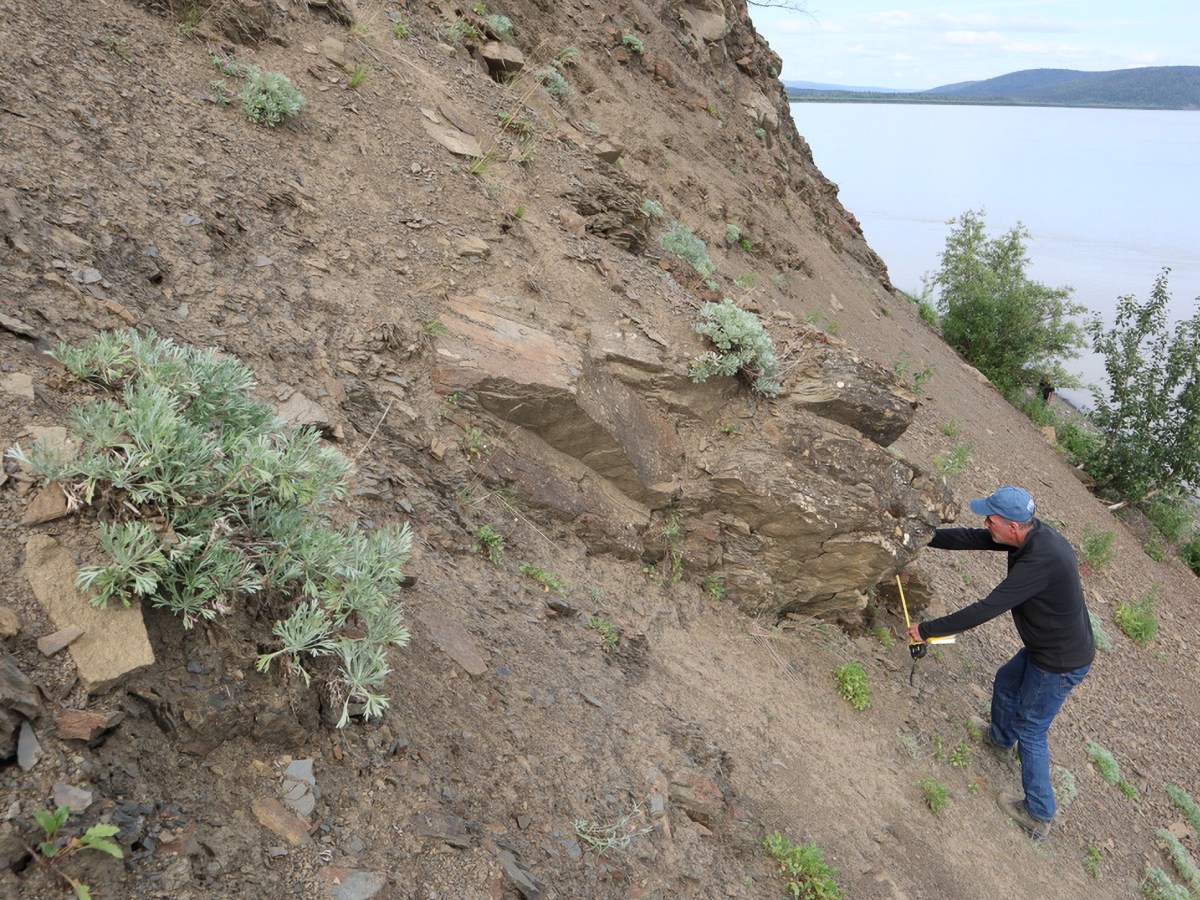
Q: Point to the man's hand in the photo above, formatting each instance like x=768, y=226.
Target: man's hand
x=914, y=633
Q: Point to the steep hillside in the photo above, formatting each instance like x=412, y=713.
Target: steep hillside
x=451, y=270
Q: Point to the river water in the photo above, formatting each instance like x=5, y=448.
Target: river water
x=1110, y=197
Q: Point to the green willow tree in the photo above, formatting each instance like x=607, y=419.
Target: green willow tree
x=1013, y=329
x=1150, y=417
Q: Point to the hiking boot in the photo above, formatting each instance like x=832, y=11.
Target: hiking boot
x=1014, y=807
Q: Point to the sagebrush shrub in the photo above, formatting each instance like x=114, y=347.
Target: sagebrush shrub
x=743, y=346
x=269, y=98
x=240, y=505
x=680, y=240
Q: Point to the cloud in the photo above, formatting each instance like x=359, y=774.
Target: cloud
x=974, y=38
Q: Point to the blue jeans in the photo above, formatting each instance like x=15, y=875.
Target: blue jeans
x=1025, y=700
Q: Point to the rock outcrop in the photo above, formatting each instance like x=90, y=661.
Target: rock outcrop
x=799, y=508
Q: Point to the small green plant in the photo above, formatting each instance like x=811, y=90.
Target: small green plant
x=939, y=747
x=921, y=378
x=1136, y=619
x=1156, y=545
x=680, y=240
x=808, y=876
x=1092, y=859
x=937, y=795
x=960, y=756
x=953, y=428
x=1065, y=788
x=53, y=850
x=270, y=98
x=1181, y=859
x=1103, y=641
x=910, y=744
x=743, y=347
x=634, y=43
x=974, y=730
x=548, y=580
x=245, y=505
x=1096, y=547
x=1185, y=804
x=853, y=684
x=746, y=244
x=954, y=462
x=730, y=429
x=1108, y=767
x=501, y=25
x=556, y=84
x=746, y=281
x=491, y=542
x=435, y=327
x=733, y=233
x=610, y=635
x=653, y=209
x=519, y=211
x=714, y=586
x=568, y=56
x=400, y=28
x=474, y=444
x=619, y=835
x=459, y=31
x=359, y=75
x=883, y=634
x=1157, y=885
x=522, y=125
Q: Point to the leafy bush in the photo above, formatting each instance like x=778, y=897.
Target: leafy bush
x=1158, y=885
x=1136, y=619
x=1182, y=860
x=491, y=543
x=733, y=233
x=244, y=501
x=502, y=25
x=555, y=84
x=652, y=208
x=680, y=240
x=1185, y=804
x=1108, y=767
x=954, y=462
x=269, y=98
x=634, y=43
x=853, y=684
x=1011, y=328
x=743, y=344
x=937, y=795
x=1096, y=547
x=1150, y=416
x=809, y=876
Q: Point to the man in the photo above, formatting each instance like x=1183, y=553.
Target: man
x=1044, y=594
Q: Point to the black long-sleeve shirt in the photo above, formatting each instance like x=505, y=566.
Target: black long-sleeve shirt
x=1042, y=590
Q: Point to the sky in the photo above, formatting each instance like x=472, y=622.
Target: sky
x=921, y=44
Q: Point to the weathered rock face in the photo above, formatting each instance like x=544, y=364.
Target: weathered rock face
x=802, y=510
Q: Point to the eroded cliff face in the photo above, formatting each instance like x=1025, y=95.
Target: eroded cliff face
x=516, y=218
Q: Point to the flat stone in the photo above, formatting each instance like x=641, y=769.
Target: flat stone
x=474, y=247
x=114, y=642
x=519, y=875
x=301, y=770
x=29, y=751
x=76, y=799
x=10, y=622
x=457, y=142
x=354, y=884
x=16, y=690
x=48, y=504
x=85, y=724
x=19, y=385
x=453, y=639
x=275, y=816
x=64, y=637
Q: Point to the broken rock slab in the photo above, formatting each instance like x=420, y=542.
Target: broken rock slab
x=114, y=642
x=454, y=641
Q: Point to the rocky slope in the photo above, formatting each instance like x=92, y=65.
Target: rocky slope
x=453, y=273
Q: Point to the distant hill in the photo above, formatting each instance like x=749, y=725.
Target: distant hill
x=820, y=86
x=1158, y=87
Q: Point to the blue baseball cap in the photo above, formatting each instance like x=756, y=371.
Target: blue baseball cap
x=1009, y=502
